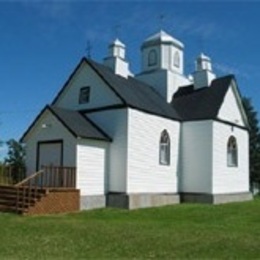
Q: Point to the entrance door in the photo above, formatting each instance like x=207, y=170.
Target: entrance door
x=50, y=153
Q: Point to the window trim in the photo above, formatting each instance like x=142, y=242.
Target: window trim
x=152, y=58
x=84, y=100
x=232, y=152
x=176, y=59
x=165, y=148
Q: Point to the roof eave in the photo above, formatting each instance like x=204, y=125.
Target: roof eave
x=22, y=139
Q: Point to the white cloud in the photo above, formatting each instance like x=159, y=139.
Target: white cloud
x=54, y=10
x=229, y=69
x=194, y=26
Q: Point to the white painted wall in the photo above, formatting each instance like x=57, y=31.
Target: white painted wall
x=203, y=78
x=164, y=82
x=145, y=57
x=55, y=131
x=114, y=123
x=165, y=58
x=157, y=79
x=196, y=157
x=229, y=110
x=145, y=174
x=174, y=82
x=230, y=179
x=168, y=52
x=100, y=94
x=118, y=65
x=91, y=166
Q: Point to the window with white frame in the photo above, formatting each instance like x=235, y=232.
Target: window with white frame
x=152, y=58
x=232, y=153
x=165, y=146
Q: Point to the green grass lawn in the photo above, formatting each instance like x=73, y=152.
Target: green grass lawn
x=180, y=231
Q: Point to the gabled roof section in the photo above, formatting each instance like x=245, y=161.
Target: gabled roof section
x=79, y=125
x=76, y=123
x=134, y=93
x=67, y=82
x=72, y=75
x=204, y=103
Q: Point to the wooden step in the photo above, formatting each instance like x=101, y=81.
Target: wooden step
x=26, y=198
x=26, y=191
x=14, y=209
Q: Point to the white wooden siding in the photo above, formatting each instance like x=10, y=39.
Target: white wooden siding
x=229, y=110
x=144, y=173
x=165, y=82
x=54, y=131
x=100, y=94
x=196, y=157
x=114, y=123
x=230, y=179
x=91, y=167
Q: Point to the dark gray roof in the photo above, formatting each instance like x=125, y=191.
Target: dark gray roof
x=202, y=103
x=187, y=104
x=76, y=123
x=79, y=125
x=132, y=92
x=135, y=93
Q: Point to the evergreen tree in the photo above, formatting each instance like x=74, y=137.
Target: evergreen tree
x=254, y=140
x=16, y=159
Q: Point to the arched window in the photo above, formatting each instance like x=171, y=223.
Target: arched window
x=165, y=146
x=152, y=58
x=176, y=59
x=232, y=152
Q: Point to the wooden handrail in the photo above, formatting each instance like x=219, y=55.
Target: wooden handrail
x=28, y=178
x=28, y=190
x=52, y=177
x=49, y=177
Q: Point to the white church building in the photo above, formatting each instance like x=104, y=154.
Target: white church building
x=155, y=138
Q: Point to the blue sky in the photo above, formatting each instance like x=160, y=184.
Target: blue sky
x=42, y=42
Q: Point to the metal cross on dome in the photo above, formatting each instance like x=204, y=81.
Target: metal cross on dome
x=88, y=49
x=161, y=21
x=117, y=30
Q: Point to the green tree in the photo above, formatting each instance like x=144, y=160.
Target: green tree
x=1, y=143
x=16, y=159
x=254, y=140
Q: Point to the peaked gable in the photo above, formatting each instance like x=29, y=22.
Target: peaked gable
x=121, y=92
x=136, y=94
x=76, y=123
x=84, y=76
x=232, y=109
x=205, y=103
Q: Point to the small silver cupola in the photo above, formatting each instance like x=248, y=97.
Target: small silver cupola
x=203, y=74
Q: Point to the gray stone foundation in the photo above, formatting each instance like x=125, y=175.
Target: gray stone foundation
x=215, y=198
x=92, y=202
x=135, y=201
x=141, y=200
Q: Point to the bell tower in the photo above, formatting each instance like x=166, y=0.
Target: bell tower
x=162, y=51
x=162, y=64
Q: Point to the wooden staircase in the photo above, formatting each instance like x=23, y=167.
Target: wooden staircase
x=19, y=199
x=51, y=190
